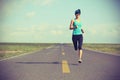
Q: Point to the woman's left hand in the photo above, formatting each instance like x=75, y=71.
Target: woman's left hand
x=82, y=30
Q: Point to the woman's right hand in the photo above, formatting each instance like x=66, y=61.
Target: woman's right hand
x=76, y=27
x=71, y=25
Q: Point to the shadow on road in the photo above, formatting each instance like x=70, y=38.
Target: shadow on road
x=45, y=63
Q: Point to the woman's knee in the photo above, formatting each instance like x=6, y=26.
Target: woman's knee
x=80, y=48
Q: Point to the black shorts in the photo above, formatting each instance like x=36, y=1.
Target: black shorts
x=77, y=41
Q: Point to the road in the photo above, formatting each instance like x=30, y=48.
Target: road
x=60, y=63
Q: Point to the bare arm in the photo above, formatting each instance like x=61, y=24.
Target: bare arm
x=71, y=25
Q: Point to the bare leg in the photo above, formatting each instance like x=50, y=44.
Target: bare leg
x=81, y=52
x=80, y=55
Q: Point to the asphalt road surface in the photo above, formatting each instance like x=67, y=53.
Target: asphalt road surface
x=60, y=63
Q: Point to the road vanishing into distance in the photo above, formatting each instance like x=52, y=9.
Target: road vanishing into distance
x=60, y=62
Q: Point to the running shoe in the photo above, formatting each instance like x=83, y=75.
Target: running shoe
x=80, y=61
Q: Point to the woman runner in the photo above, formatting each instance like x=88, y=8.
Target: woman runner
x=77, y=36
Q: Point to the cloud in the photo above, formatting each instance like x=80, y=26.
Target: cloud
x=102, y=29
x=102, y=33
x=47, y=2
x=31, y=14
x=42, y=2
x=57, y=32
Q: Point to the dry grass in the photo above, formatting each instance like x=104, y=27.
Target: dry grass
x=110, y=48
x=9, y=50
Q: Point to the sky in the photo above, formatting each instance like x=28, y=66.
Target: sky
x=47, y=21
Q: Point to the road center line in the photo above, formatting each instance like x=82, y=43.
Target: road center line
x=63, y=53
x=65, y=67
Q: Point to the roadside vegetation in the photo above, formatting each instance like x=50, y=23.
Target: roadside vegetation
x=12, y=49
x=109, y=48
